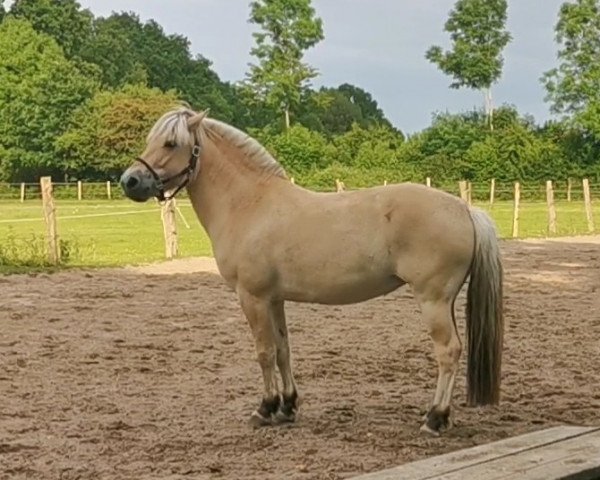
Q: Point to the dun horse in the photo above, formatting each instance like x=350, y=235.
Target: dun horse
x=275, y=241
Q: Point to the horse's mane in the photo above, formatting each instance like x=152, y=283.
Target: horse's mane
x=172, y=127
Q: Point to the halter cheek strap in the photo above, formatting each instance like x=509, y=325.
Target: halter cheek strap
x=187, y=172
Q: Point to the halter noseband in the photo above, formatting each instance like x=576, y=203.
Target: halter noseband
x=187, y=171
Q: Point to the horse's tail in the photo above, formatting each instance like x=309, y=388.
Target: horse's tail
x=484, y=312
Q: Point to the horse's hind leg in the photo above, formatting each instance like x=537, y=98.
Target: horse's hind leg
x=258, y=312
x=437, y=310
x=289, y=405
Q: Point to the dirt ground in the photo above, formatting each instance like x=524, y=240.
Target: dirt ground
x=150, y=373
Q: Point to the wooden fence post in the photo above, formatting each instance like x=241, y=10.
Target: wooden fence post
x=588, y=205
x=79, y=190
x=22, y=192
x=108, y=191
x=492, y=191
x=469, y=193
x=515, y=229
x=169, y=228
x=462, y=186
x=569, y=187
x=50, y=219
x=551, y=207
x=428, y=181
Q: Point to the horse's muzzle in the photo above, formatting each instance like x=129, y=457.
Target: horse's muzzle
x=138, y=185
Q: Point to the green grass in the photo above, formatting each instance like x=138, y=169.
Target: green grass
x=533, y=218
x=122, y=232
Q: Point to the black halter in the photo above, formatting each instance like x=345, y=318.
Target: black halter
x=187, y=172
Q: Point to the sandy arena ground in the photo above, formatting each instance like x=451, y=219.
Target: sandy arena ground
x=148, y=373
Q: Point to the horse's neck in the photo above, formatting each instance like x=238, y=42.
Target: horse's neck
x=222, y=188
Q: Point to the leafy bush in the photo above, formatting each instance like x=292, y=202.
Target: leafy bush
x=298, y=150
x=31, y=252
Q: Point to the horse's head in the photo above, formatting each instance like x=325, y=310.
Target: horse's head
x=170, y=159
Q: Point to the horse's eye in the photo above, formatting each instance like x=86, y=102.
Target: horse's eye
x=170, y=144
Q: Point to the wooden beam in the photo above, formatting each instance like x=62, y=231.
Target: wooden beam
x=49, y=211
x=564, y=450
x=517, y=201
x=169, y=228
x=551, y=208
x=589, y=213
x=462, y=188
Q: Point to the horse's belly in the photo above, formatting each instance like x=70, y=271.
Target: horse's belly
x=341, y=291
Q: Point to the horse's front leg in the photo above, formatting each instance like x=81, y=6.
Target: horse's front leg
x=258, y=313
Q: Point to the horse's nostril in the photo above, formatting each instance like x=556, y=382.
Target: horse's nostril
x=131, y=182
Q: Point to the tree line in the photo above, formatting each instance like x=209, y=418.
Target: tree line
x=78, y=94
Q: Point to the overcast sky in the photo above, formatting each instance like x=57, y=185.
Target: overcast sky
x=378, y=45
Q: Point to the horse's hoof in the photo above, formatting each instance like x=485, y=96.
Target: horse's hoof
x=257, y=420
x=428, y=431
x=281, y=417
x=437, y=420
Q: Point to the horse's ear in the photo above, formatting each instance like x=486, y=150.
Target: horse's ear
x=195, y=121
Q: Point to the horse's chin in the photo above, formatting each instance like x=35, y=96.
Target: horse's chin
x=139, y=199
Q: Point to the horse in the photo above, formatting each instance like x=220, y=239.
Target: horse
x=275, y=241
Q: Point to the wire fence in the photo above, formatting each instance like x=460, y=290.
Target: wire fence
x=92, y=227
x=567, y=190
x=62, y=191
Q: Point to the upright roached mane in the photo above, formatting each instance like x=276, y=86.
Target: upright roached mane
x=274, y=241
x=172, y=128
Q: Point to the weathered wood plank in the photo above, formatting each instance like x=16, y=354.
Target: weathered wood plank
x=458, y=461
x=558, y=460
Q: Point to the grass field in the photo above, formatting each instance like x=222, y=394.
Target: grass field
x=99, y=233
x=118, y=232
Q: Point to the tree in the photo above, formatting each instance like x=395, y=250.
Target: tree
x=477, y=30
x=574, y=87
x=111, y=49
x=328, y=111
x=109, y=130
x=369, y=109
x=288, y=29
x=333, y=111
x=130, y=51
x=63, y=20
x=39, y=88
